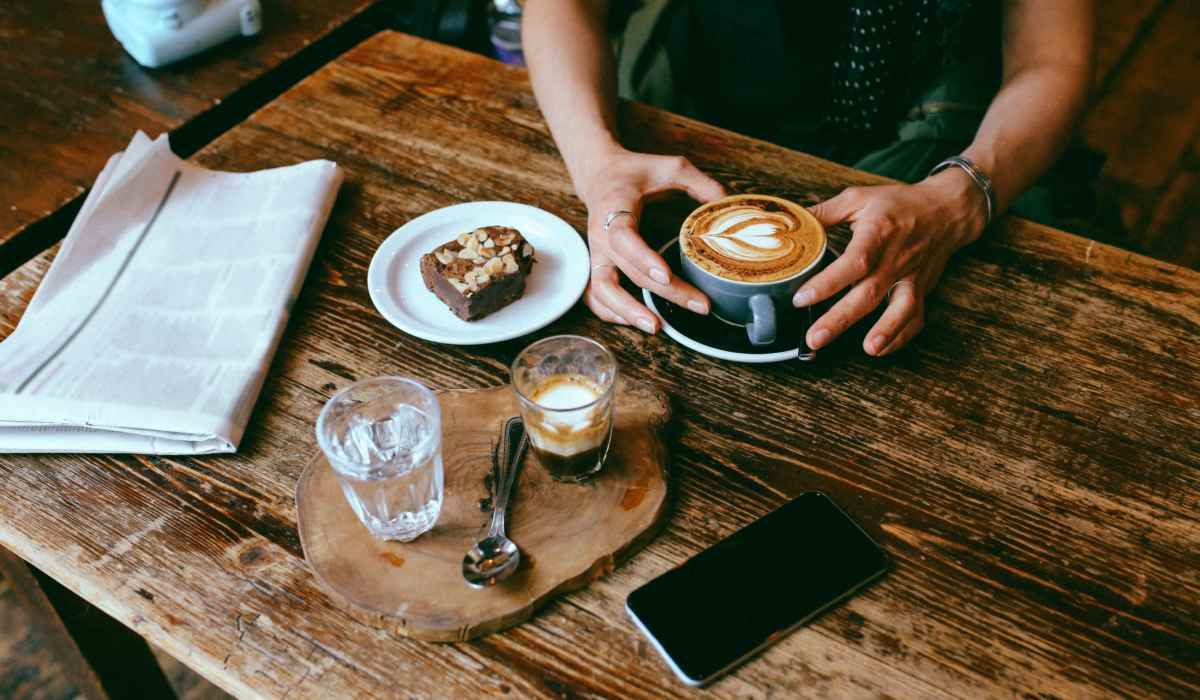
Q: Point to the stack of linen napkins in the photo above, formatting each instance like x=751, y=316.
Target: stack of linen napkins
x=153, y=330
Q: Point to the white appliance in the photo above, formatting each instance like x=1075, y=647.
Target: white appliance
x=158, y=32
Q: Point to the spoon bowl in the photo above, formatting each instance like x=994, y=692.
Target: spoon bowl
x=495, y=557
x=491, y=560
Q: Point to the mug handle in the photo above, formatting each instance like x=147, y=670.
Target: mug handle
x=761, y=328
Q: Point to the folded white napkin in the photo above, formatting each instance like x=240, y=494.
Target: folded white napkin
x=153, y=329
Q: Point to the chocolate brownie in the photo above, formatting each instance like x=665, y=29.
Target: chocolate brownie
x=480, y=272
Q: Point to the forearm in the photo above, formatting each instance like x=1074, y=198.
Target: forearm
x=1017, y=143
x=1047, y=73
x=571, y=66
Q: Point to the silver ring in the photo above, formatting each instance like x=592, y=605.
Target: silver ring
x=895, y=284
x=612, y=215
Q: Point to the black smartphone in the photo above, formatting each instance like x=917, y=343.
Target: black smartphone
x=748, y=590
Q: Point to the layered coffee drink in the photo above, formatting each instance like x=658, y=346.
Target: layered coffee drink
x=569, y=426
x=565, y=387
x=752, y=238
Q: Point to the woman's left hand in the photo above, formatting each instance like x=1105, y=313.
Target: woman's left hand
x=903, y=237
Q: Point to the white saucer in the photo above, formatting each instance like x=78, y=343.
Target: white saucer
x=711, y=350
x=713, y=336
x=558, y=279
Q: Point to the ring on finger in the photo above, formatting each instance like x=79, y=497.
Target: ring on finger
x=895, y=284
x=612, y=216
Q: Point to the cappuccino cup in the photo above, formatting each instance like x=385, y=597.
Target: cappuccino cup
x=750, y=253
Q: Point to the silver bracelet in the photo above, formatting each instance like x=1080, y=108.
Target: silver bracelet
x=981, y=180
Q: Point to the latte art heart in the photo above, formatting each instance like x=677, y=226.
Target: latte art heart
x=752, y=238
x=751, y=235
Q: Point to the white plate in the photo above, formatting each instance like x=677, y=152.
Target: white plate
x=558, y=279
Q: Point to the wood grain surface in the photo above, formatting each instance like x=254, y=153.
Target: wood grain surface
x=1145, y=117
x=1031, y=462
x=569, y=534
x=46, y=621
x=70, y=96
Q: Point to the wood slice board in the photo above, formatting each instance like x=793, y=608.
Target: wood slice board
x=569, y=534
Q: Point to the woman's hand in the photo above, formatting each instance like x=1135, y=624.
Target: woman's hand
x=622, y=181
x=903, y=237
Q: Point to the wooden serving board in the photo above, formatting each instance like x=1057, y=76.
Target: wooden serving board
x=569, y=534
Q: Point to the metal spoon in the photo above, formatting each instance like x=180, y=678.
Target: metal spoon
x=495, y=557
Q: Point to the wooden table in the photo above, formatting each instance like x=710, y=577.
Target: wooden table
x=70, y=96
x=1031, y=463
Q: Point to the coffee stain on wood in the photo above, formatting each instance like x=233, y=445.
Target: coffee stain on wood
x=635, y=494
x=392, y=558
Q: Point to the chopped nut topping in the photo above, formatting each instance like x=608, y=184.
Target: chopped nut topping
x=444, y=256
x=527, y=250
x=510, y=263
x=482, y=278
x=493, y=266
x=489, y=243
x=483, y=236
x=460, y=286
x=462, y=238
x=468, y=254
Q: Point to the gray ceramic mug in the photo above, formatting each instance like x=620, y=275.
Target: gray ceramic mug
x=753, y=304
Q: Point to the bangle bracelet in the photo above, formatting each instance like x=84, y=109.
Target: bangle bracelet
x=981, y=180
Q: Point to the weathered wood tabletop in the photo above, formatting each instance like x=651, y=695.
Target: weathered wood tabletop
x=1031, y=462
x=70, y=96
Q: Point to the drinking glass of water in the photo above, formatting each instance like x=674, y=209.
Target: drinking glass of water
x=383, y=438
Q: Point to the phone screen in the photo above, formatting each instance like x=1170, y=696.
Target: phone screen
x=754, y=586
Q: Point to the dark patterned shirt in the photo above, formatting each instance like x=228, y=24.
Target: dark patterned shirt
x=832, y=78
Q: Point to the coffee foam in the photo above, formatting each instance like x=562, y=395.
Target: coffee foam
x=752, y=238
x=576, y=420
x=566, y=391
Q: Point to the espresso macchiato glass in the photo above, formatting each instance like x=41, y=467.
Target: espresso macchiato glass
x=565, y=386
x=750, y=253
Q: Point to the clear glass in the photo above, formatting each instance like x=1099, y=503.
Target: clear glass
x=565, y=386
x=383, y=438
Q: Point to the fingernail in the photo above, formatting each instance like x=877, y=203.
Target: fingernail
x=697, y=306
x=819, y=338
x=804, y=297
x=660, y=276
x=875, y=344
x=646, y=325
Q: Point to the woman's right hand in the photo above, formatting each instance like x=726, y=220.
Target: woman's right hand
x=622, y=181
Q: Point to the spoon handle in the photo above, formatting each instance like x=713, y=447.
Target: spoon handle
x=516, y=440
